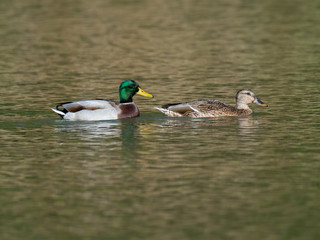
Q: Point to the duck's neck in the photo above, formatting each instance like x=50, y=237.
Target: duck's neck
x=243, y=109
x=241, y=105
x=129, y=100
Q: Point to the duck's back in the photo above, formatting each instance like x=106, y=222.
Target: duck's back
x=92, y=109
x=212, y=108
x=90, y=104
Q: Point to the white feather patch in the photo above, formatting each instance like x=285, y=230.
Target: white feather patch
x=168, y=112
x=58, y=111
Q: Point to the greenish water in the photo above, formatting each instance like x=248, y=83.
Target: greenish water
x=154, y=177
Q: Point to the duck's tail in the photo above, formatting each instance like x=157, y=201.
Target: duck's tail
x=168, y=112
x=61, y=114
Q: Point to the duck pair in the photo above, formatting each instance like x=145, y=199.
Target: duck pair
x=102, y=109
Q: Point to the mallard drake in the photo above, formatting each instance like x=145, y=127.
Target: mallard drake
x=103, y=109
x=213, y=108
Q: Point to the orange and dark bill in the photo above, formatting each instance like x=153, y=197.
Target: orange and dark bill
x=259, y=102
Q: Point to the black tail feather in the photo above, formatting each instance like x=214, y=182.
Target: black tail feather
x=62, y=110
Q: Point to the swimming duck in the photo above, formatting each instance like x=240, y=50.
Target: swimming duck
x=213, y=108
x=102, y=109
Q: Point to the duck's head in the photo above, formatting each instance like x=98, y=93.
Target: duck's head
x=128, y=88
x=246, y=96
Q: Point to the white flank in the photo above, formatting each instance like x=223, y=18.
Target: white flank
x=105, y=110
x=92, y=115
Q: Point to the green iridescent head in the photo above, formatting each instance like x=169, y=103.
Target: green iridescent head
x=128, y=88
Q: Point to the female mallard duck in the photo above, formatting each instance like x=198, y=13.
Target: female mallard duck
x=213, y=108
x=101, y=109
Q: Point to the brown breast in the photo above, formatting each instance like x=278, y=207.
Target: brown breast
x=128, y=110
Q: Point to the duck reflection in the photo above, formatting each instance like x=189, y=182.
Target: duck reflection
x=220, y=133
x=248, y=125
x=101, y=133
x=128, y=135
x=129, y=140
x=245, y=124
x=89, y=131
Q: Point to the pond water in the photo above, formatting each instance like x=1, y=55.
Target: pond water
x=155, y=177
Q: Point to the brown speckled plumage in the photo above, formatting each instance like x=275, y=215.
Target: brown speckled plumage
x=213, y=108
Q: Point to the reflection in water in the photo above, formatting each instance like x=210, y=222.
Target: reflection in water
x=89, y=131
x=93, y=133
x=129, y=140
x=246, y=124
x=229, y=133
x=130, y=136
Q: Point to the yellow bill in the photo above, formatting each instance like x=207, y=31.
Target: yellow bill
x=143, y=93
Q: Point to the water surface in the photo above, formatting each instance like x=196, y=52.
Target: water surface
x=155, y=177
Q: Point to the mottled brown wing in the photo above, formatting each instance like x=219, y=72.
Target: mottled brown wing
x=211, y=108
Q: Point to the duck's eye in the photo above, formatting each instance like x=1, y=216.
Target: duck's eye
x=248, y=94
x=131, y=86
